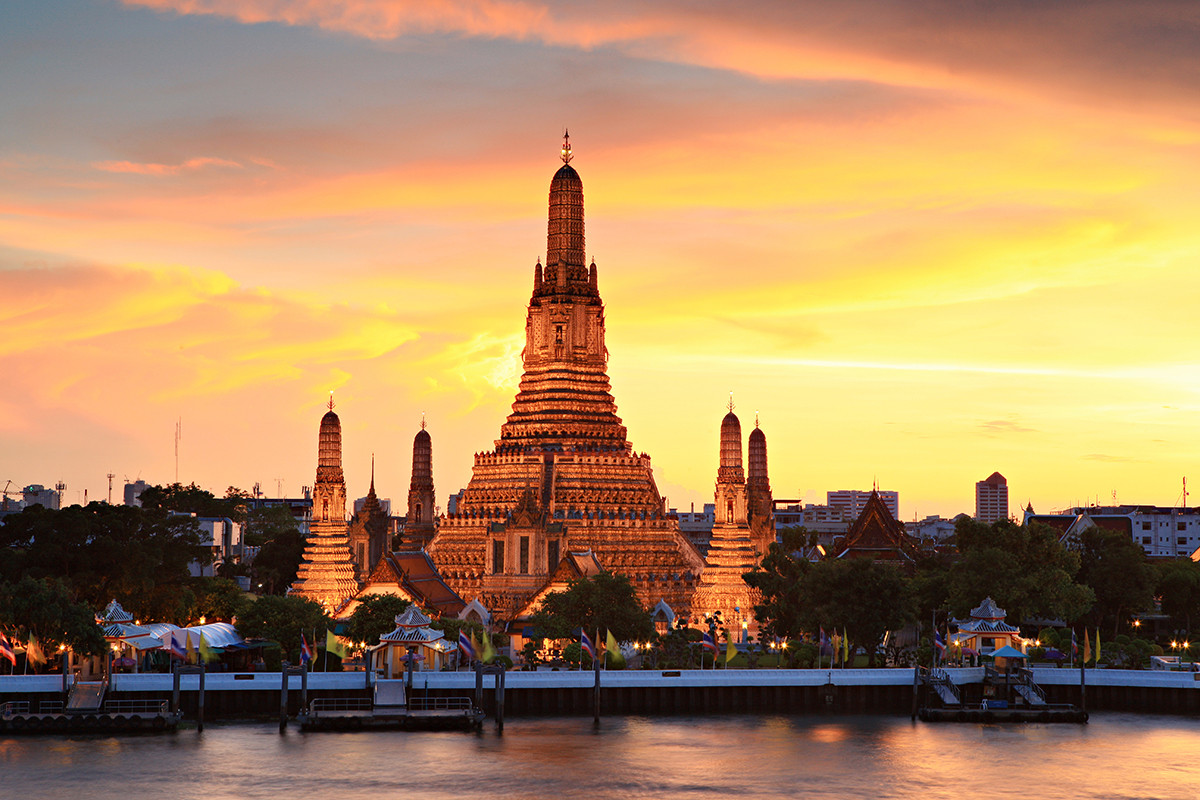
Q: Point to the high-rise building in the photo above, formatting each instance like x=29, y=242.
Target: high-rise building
x=327, y=574
x=563, y=475
x=853, y=502
x=991, y=499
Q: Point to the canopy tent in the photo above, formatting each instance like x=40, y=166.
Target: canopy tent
x=1007, y=651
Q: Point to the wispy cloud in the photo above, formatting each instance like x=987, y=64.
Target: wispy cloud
x=190, y=165
x=1003, y=427
x=1110, y=459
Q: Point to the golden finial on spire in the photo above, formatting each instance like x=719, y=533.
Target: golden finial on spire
x=566, y=148
x=731, y=402
x=331, y=399
x=756, y=418
x=422, y=420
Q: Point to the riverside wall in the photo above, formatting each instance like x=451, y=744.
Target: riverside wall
x=764, y=691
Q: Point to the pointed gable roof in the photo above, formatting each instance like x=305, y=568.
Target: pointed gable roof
x=572, y=566
x=412, y=575
x=876, y=534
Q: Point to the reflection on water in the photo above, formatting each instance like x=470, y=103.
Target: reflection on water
x=1116, y=756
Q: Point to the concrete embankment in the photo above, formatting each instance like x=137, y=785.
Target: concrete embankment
x=878, y=691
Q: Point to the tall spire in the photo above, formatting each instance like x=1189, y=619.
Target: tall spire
x=566, y=266
x=372, y=490
x=566, y=148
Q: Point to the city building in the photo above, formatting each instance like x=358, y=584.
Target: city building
x=563, y=475
x=133, y=491
x=36, y=494
x=223, y=537
x=852, y=502
x=932, y=531
x=1162, y=531
x=327, y=573
x=696, y=525
x=991, y=499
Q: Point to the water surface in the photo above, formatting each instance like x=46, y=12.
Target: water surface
x=1116, y=756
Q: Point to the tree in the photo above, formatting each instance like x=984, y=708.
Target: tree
x=376, y=615
x=1178, y=587
x=46, y=610
x=102, y=552
x=274, y=568
x=192, y=499
x=218, y=599
x=267, y=523
x=779, y=578
x=604, y=601
x=859, y=595
x=1023, y=568
x=1115, y=568
x=283, y=620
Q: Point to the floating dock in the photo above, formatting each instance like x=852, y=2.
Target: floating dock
x=391, y=708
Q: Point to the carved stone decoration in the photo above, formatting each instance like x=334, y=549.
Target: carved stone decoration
x=563, y=476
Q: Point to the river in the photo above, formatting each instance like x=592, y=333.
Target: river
x=1116, y=756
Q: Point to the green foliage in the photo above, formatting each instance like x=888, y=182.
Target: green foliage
x=1023, y=568
x=1050, y=638
x=274, y=568
x=192, y=499
x=375, y=616
x=452, y=626
x=267, y=523
x=217, y=600
x=46, y=609
x=779, y=578
x=859, y=595
x=1178, y=587
x=134, y=555
x=282, y=620
x=606, y=601
x=1115, y=568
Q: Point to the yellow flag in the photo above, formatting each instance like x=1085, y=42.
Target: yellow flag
x=730, y=651
x=475, y=645
x=1097, y=645
x=187, y=648
x=614, y=651
x=488, y=655
x=845, y=647
x=1087, y=647
x=333, y=645
x=33, y=652
x=206, y=652
x=837, y=645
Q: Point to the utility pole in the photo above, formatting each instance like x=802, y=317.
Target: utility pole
x=110, y=477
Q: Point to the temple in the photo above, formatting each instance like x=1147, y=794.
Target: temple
x=563, y=475
x=368, y=533
x=326, y=575
x=420, y=524
x=743, y=529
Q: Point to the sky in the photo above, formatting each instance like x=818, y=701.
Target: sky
x=923, y=241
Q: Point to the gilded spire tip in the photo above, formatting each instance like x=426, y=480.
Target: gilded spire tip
x=731, y=402
x=331, y=399
x=566, y=147
x=422, y=420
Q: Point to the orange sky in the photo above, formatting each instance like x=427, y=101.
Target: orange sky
x=925, y=241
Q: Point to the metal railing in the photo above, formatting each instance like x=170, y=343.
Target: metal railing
x=14, y=707
x=136, y=707
x=333, y=704
x=1025, y=678
x=440, y=704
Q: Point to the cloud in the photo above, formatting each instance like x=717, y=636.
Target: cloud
x=1109, y=459
x=164, y=169
x=1001, y=427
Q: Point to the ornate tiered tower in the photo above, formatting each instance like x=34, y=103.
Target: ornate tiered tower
x=732, y=551
x=563, y=476
x=420, y=526
x=758, y=493
x=368, y=533
x=326, y=575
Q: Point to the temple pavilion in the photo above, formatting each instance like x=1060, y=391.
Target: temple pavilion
x=563, y=476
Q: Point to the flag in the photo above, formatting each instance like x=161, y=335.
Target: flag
x=33, y=652
x=333, y=645
x=822, y=642
x=206, y=653
x=466, y=646
x=175, y=647
x=305, y=650
x=845, y=646
x=489, y=655
x=706, y=641
x=586, y=644
x=1097, y=645
x=939, y=643
x=614, y=650
x=1087, y=646
x=6, y=650
x=836, y=641
x=187, y=647
x=731, y=651
x=1074, y=644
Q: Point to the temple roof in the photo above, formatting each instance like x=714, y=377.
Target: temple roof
x=876, y=534
x=988, y=610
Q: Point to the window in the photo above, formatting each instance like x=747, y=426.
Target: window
x=524, y=555
x=552, y=554
x=558, y=334
x=1145, y=526
x=1182, y=526
x=362, y=556
x=417, y=513
x=324, y=509
x=729, y=512
x=1182, y=540
x=1145, y=540
x=497, y=557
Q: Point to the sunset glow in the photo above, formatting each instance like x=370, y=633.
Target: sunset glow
x=924, y=241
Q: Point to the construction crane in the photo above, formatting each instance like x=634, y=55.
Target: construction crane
x=5, y=494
